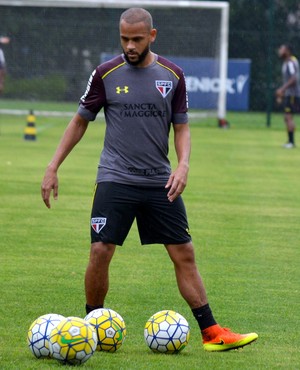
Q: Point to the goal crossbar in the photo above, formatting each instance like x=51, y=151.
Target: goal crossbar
x=117, y=4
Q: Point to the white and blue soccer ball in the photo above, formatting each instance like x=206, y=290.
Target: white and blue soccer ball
x=39, y=332
x=167, y=332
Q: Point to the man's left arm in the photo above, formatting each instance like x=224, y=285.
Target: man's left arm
x=178, y=179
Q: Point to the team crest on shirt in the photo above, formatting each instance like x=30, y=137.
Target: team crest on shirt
x=164, y=87
x=98, y=223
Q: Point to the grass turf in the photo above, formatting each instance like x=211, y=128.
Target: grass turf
x=242, y=201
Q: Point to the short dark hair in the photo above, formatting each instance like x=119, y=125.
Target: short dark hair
x=136, y=15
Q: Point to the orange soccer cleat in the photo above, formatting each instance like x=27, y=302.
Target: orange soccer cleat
x=216, y=338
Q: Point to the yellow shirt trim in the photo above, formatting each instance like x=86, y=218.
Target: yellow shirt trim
x=113, y=69
x=169, y=69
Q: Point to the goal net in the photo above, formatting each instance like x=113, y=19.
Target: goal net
x=55, y=44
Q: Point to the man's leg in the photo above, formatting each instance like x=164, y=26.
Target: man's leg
x=96, y=276
x=215, y=338
x=290, y=126
x=187, y=275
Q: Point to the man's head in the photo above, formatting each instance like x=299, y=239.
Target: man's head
x=285, y=51
x=137, y=34
x=4, y=40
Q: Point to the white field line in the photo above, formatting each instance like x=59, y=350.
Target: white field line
x=22, y=112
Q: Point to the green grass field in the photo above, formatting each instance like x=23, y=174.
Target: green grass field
x=242, y=200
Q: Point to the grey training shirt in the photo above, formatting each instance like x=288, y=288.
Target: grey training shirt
x=139, y=106
x=290, y=68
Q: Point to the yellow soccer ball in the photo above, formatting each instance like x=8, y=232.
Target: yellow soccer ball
x=73, y=341
x=110, y=328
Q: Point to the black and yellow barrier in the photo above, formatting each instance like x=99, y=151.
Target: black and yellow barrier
x=30, y=129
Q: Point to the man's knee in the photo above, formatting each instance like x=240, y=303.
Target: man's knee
x=182, y=253
x=101, y=252
x=288, y=118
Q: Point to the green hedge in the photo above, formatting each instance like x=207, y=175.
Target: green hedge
x=52, y=87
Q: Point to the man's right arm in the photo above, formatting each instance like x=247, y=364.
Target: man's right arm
x=2, y=76
x=290, y=82
x=74, y=132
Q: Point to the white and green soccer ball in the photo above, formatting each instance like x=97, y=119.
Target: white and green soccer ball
x=110, y=328
x=167, y=332
x=73, y=341
x=39, y=332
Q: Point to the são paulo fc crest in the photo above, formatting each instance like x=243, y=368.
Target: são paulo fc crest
x=98, y=223
x=164, y=87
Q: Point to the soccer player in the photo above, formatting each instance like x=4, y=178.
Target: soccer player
x=142, y=95
x=3, y=40
x=289, y=92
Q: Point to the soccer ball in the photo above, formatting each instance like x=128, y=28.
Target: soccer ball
x=73, y=341
x=167, y=332
x=110, y=327
x=39, y=332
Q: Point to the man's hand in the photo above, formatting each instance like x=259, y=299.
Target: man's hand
x=279, y=93
x=50, y=183
x=177, y=182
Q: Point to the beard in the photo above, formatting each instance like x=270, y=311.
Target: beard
x=140, y=59
x=282, y=56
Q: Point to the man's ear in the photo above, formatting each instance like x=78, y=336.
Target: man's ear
x=153, y=34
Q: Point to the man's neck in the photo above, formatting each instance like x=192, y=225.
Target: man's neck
x=148, y=60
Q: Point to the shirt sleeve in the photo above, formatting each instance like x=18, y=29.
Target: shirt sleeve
x=291, y=68
x=180, y=102
x=2, y=60
x=94, y=97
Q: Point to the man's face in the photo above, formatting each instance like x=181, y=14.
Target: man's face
x=135, y=41
x=282, y=52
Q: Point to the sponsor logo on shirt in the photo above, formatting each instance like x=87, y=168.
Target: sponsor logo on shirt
x=141, y=110
x=120, y=89
x=164, y=87
x=146, y=171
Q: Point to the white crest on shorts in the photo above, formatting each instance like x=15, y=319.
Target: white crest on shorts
x=98, y=223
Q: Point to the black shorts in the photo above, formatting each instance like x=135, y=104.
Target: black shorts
x=115, y=207
x=291, y=104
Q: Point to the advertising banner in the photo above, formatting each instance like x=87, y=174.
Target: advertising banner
x=203, y=83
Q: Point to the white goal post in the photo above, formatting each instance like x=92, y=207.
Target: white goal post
x=222, y=6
